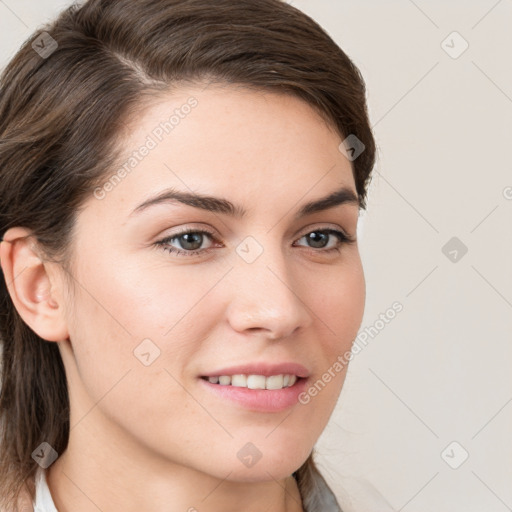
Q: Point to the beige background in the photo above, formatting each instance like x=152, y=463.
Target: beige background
x=440, y=371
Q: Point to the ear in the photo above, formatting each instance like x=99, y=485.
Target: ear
x=32, y=285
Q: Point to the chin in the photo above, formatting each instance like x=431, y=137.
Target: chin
x=253, y=465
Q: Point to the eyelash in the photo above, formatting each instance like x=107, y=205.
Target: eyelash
x=343, y=239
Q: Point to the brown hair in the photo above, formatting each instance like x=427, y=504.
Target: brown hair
x=62, y=116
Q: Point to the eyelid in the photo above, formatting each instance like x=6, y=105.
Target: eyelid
x=308, y=229
x=343, y=237
x=327, y=227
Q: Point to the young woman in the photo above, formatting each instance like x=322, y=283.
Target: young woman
x=180, y=184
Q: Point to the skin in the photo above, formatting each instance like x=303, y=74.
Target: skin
x=143, y=437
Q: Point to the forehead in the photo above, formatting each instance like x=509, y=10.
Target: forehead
x=252, y=146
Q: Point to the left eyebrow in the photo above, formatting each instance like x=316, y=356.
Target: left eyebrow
x=338, y=197
x=213, y=204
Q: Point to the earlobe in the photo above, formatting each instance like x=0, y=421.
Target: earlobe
x=31, y=285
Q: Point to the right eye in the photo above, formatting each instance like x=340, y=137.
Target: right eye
x=189, y=237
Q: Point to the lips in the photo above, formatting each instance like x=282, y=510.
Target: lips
x=255, y=400
x=256, y=397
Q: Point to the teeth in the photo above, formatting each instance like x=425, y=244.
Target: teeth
x=239, y=381
x=255, y=381
x=274, y=382
x=224, y=380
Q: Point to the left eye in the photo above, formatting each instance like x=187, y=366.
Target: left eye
x=192, y=240
x=319, y=236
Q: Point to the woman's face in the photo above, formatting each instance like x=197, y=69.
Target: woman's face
x=146, y=325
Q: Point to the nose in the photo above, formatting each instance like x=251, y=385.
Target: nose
x=266, y=296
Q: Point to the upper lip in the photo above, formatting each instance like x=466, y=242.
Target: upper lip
x=265, y=369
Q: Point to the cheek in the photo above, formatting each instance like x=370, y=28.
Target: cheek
x=129, y=314
x=338, y=305
x=133, y=300
x=126, y=364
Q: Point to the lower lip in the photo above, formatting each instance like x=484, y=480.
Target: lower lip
x=259, y=400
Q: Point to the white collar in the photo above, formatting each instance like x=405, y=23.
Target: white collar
x=43, y=499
